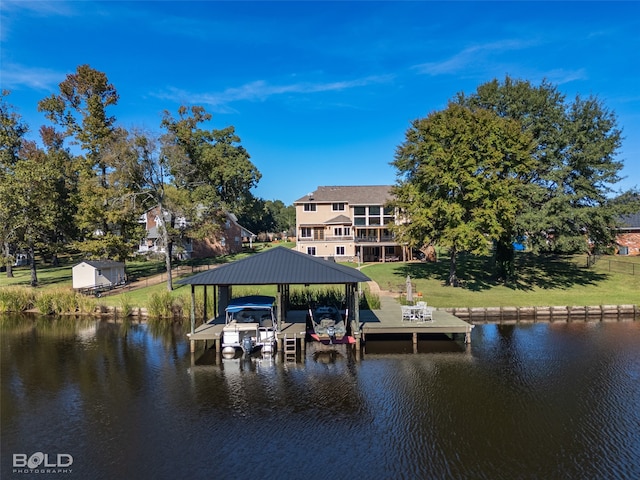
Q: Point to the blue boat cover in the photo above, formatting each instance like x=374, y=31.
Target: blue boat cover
x=252, y=301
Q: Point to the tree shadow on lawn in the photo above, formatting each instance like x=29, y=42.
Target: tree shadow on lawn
x=532, y=271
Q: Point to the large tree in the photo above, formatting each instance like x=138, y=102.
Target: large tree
x=34, y=192
x=190, y=173
x=566, y=205
x=145, y=183
x=458, y=173
x=81, y=109
x=12, y=131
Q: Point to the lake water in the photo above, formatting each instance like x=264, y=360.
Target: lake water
x=101, y=400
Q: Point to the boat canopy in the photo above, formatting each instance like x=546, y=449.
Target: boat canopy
x=252, y=301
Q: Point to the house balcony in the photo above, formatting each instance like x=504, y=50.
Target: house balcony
x=375, y=239
x=327, y=238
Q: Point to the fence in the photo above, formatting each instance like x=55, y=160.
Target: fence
x=617, y=266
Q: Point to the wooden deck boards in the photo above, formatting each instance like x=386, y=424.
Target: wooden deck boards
x=388, y=319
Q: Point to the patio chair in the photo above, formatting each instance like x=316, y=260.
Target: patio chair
x=426, y=314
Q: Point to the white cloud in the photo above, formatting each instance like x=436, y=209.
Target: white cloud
x=16, y=76
x=471, y=57
x=561, y=76
x=42, y=7
x=260, y=90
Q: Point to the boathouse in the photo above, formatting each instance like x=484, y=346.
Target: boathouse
x=285, y=267
x=278, y=266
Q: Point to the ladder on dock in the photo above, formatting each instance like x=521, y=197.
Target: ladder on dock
x=290, y=347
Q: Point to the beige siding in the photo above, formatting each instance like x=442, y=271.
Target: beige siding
x=329, y=229
x=83, y=276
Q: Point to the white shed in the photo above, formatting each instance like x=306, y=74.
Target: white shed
x=98, y=273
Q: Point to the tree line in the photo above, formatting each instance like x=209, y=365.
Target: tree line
x=512, y=163
x=84, y=186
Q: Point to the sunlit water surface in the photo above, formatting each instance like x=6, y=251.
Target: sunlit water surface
x=539, y=401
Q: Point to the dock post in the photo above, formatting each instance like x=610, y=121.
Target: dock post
x=193, y=346
x=216, y=344
x=415, y=342
x=467, y=337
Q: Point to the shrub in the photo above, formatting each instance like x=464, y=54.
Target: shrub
x=64, y=301
x=369, y=301
x=86, y=304
x=161, y=305
x=126, y=308
x=301, y=299
x=44, y=303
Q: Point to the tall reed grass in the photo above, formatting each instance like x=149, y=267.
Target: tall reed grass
x=16, y=299
x=164, y=305
x=51, y=301
x=126, y=308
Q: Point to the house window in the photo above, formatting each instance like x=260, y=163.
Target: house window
x=338, y=207
x=306, y=232
x=347, y=231
x=375, y=210
x=340, y=251
x=359, y=211
x=337, y=231
x=309, y=207
x=311, y=251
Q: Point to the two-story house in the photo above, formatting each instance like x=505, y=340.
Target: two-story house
x=228, y=239
x=348, y=223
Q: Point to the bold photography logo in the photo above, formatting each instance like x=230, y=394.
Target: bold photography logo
x=39, y=462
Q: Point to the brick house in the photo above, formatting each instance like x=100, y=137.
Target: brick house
x=228, y=239
x=628, y=237
x=348, y=223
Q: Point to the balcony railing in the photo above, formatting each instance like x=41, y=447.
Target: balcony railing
x=375, y=239
x=327, y=238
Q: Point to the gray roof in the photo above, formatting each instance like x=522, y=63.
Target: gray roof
x=278, y=266
x=630, y=221
x=339, y=220
x=353, y=195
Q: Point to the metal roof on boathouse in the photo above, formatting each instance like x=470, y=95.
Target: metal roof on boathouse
x=278, y=266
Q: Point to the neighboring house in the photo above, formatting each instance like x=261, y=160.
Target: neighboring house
x=349, y=223
x=228, y=240
x=628, y=236
x=98, y=273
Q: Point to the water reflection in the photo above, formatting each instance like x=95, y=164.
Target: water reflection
x=128, y=400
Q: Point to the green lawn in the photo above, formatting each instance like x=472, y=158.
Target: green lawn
x=542, y=281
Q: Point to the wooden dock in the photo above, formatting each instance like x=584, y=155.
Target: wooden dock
x=385, y=321
x=388, y=320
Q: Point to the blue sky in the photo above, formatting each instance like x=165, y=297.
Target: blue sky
x=321, y=93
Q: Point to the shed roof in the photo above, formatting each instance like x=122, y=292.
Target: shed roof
x=101, y=263
x=278, y=266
